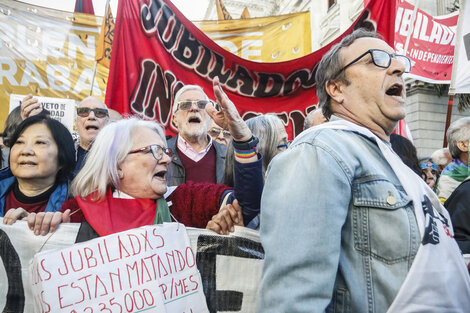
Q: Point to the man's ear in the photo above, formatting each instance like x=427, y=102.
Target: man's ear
x=120, y=173
x=174, y=121
x=462, y=145
x=333, y=89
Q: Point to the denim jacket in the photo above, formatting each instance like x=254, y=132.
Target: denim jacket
x=338, y=230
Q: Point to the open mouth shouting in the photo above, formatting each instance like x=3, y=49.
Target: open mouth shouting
x=396, y=91
x=194, y=120
x=160, y=175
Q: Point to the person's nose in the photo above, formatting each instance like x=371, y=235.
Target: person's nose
x=27, y=149
x=165, y=159
x=396, y=67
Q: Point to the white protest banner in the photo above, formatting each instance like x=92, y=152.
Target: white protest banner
x=230, y=266
x=461, y=69
x=18, y=245
x=62, y=110
x=151, y=268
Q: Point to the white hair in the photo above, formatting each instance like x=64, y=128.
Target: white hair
x=110, y=148
x=94, y=99
x=439, y=157
x=184, y=89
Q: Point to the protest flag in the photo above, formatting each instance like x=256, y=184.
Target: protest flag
x=105, y=42
x=84, y=6
x=222, y=13
x=245, y=13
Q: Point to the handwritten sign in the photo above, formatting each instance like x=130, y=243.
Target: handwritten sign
x=230, y=266
x=152, y=268
x=62, y=110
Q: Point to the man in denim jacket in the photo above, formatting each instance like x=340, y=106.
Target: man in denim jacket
x=339, y=232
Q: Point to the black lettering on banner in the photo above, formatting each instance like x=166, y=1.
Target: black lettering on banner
x=208, y=248
x=269, y=85
x=11, y=262
x=152, y=96
x=431, y=231
x=241, y=81
x=188, y=49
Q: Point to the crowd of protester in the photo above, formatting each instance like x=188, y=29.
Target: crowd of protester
x=353, y=206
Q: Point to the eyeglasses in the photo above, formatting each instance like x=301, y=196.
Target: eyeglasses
x=188, y=104
x=156, y=150
x=285, y=145
x=99, y=113
x=425, y=165
x=381, y=59
x=215, y=132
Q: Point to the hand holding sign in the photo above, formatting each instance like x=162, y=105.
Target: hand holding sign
x=228, y=117
x=228, y=217
x=30, y=106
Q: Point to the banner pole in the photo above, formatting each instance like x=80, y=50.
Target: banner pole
x=93, y=78
x=449, y=117
x=413, y=18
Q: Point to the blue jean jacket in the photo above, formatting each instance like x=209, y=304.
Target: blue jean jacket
x=338, y=230
x=58, y=196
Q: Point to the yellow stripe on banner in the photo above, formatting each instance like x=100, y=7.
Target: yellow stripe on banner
x=266, y=39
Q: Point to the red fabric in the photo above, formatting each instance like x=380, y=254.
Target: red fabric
x=156, y=50
x=194, y=204
x=12, y=203
x=84, y=6
x=113, y=215
x=202, y=171
x=75, y=211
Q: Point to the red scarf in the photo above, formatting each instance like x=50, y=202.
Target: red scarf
x=113, y=215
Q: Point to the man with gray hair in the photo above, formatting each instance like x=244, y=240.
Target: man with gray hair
x=196, y=157
x=92, y=116
x=314, y=118
x=346, y=225
x=458, y=136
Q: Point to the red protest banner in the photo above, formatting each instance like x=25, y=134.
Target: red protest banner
x=432, y=42
x=156, y=51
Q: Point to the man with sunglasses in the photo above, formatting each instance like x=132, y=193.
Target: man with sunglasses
x=92, y=116
x=347, y=226
x=196, y=157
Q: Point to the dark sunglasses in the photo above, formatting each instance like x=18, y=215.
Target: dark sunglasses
x=215, y=132
x=156, y=150
x=99, y=113
x=188, y=104
x=381, y=59
x=425, y=165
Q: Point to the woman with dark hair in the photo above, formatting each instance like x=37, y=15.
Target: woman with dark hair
x=42, y=159
x=406, y=151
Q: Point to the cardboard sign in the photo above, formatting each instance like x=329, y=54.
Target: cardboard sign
x=62, y=110
x=151, y=268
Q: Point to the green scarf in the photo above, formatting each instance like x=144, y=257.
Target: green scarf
x=163, y=212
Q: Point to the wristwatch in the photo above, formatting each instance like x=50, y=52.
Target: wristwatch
x=246, y=145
